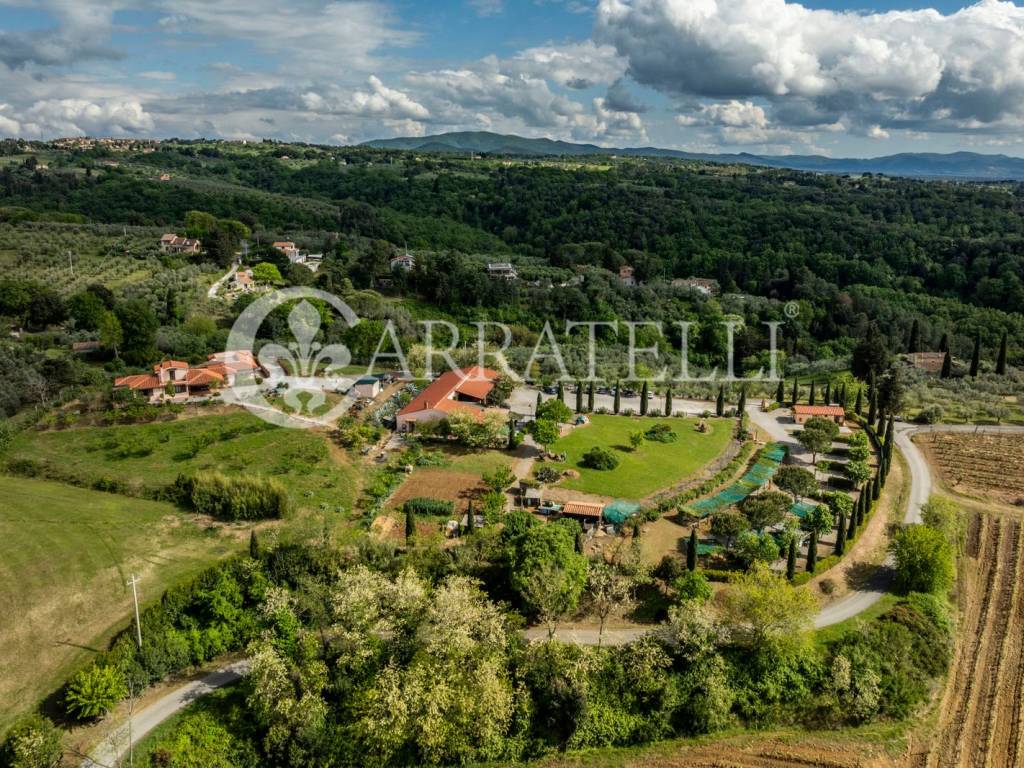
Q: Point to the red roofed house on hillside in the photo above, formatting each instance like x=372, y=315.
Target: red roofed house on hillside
x=465, y=390
x=177, y=381
x=836, y=413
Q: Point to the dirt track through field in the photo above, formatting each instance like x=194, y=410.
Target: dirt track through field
x=980, y=718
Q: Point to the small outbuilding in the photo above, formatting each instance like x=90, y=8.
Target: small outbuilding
x=836, y=413
x=366, y=388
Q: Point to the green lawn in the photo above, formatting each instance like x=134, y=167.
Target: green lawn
x=151, y=455
x=65, y=554
x=647, y=469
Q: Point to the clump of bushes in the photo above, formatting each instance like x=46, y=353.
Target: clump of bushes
x=600, y=458
x=232, y=498
x=661, y=433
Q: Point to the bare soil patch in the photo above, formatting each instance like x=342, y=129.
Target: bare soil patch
x=439, y=483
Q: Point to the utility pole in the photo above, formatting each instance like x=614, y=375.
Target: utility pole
x=135, y=596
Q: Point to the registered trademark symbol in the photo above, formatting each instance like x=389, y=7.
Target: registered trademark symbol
x=792, y=309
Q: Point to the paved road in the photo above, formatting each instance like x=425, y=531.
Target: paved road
x=115, y=747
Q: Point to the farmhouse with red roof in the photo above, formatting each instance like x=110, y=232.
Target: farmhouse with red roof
x=464, y=390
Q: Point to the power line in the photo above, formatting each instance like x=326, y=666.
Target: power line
x=135, y=596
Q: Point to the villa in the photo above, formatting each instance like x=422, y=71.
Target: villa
x=465, y=390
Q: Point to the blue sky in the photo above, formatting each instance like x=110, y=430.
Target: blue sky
x=822, y=76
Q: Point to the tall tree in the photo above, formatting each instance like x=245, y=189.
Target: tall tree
x=944, y=343
x=644, y=392
x=840, y=546
x=561, y=391
x=796, y=392
x=812, y=552
x=741, y=406
x=913, y=345
x=590, y=398
x=858, y=406
x=617, y=402
x=780, y=393
x=720, y=402
x=1001, y=359
x=668, y=401
x=947, y=366
x=691, y=551
x=791, y=559
x=871, y=355
x=827, y=398
x=579, y=397
x=811, y=397
x=976, y=355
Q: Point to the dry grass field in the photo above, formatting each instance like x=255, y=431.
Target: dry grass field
x=65, y=555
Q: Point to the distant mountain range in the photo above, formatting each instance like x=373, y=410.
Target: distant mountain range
x=955, y=165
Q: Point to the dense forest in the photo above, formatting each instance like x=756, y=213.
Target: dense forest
x=851, y=250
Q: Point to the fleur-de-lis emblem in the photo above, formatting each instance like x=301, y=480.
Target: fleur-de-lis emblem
x=304, y=364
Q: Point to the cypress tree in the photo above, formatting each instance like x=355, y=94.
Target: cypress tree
x=579, y=397
x=851, y=531
x=947, y=366
x=842, y=395
x=827, y=399
x=780, y=393
x=872, y=389
x=561, y=392
x=590, y=398
x=1001, y=359
x=643, y=399
x=741, y=406
x=254, y=546
x=841, y=535
x=410, y=522
x=540, y=400
x=668, y=401
x=890, y=437
x=796, y=392
x=720, y=402
x=865, y=508
x=691, y=551
x=976, y=356
x=512, y=433
x=791, y=559
x=915, y=337
x=876, y=489
x=872, y=408
x=812, y=552
x=617, y=402
x=470, y=518
x=858, y=407
x=811, y=398
x=944, y=343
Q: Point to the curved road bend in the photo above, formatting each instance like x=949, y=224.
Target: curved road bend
x=111, y=750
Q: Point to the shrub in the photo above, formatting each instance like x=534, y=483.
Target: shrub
x=428, y=507
x=547, y=474
x=33, y=742
x=661, y=433
x=94, y=691
x=233, y=498
x=924, y=560
x=600, y=458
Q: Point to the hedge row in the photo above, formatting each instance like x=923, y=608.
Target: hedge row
x=232, y=498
